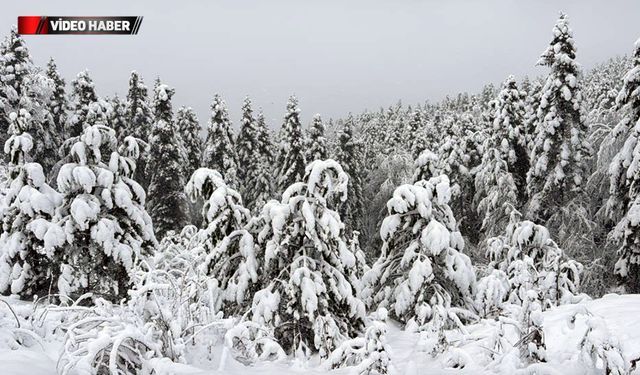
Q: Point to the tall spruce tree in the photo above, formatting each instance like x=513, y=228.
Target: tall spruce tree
x=560, y=149
x=168, y=204
x=265, y=144
x=118, y=118
x=624, y=177
x=291, y=161
x=58, y=105
x=219, y=149
x=317, y=147
x=189, y=126
x=87, y=108
x=509, y=133
x=259, y=185
x=139, y=117
x=28, y=238
x=247, y=147
x=349, y=156
x=15, y=66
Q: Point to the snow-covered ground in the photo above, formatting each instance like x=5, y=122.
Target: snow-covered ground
x=619, y=312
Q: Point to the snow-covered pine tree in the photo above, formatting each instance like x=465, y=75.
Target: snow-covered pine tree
x=15, y=66
x=230, y=256
x=139, y=112
x=422, y=276
x=140, y=121
x=560, y=149
x=349, y=155
x=291, y=161
x=219, y=148
x=624, y=195
x=496, y=192
x=307, y=300
x=532, y=103
x=259, y=184
x=118, y=118
x=168, y=203
x=28, y=237
x=317, y=147
x=189, y=127
x=103, y=217
x=266, y=146
x=247, y=147
x=417, y=134
x=87, y=108
x=35, y=98
x=58, y=105
x=508, y=134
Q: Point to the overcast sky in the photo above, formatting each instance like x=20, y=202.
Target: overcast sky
x=337, y=56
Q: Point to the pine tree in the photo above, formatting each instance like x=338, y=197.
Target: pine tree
x=219, y=149
x=307, y=301
x=230, y=258
x=500, y=180
x=28, y=238
x=140, y=121
x=87, y=108
x=560, y=150
x=189, y=127
x=247, y=146
x=58, y=105
x=118, y=119
x=15, y=66
x=168, y=204
x=265, y=145
x=291, y=161
x=103, y=217
x=417, y=137
x=259, y=185
x=317, y=147
x=532, y=261
x=509, y=134
x=35, y=99
x=422, y=274
x=624, y=178
x=350, y=158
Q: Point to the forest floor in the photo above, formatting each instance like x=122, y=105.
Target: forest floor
x=619, y=312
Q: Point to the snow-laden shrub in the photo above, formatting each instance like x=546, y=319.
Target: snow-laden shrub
x=533, y=261
x=307, y=299
x=532, y=344
x=367, y=355
x=250, y=342
x=491, y=292
x=107, y=342
x=174, y=296
x=422, y=273
x=599, y=348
